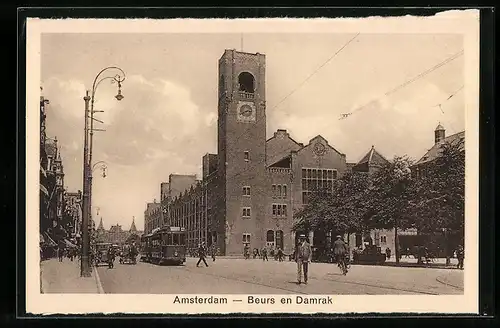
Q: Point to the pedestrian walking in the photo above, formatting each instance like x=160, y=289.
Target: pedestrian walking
x=460, y=257
x=280, y=254
x=246, y=251
x=60, y=253
x=202, y=254
x=303, y=257
x=214, y=251
x=388, y=252
x=264, y=254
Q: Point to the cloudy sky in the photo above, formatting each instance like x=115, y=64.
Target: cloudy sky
x=167, y=119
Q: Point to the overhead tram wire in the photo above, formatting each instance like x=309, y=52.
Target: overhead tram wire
x=299, y=86
x=446, y=100
x=419, y=76
x=451, y=96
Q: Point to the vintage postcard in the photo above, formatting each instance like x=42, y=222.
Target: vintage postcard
x=253, y=165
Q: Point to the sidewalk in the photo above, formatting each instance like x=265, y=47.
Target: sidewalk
x=64, y=277
x=438, y=263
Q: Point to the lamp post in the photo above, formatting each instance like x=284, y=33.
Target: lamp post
x=87, y=159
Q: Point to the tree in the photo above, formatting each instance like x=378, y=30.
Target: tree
x=338, y=209
x=390, y=194
x=440, y=194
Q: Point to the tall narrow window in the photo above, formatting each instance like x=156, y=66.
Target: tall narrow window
x=274, y=191
x=246, y=238
x=270, y=236
x=284, y=191
x=279, y=239
x=246, y=212
x=279, y=191
x=275, y=210
x=246, y=156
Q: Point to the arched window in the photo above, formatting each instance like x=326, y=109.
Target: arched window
x=279, y=239
x=246, y=82
x=270, y=236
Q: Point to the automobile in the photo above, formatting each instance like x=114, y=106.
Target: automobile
x=101, y=253
x=371, y=254
x=128, y=255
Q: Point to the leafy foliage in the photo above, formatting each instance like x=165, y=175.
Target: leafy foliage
x=440, y=191
x=339, y=209
x=393, y=196
x=391, y=192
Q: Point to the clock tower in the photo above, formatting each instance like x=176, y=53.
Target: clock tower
x=241, y=150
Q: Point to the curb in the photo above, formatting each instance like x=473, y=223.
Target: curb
x=443, y=281
x=98, y=282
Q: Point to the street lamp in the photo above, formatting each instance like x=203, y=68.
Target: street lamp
x=87, y=158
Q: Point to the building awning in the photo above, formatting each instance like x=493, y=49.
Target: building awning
x=49, y=240
x=44, y=190
x=43, y=170
x=69, y=244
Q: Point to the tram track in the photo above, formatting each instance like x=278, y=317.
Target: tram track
x=443, y=281
x=311, y=278
x=240, y=280
x=384, y=287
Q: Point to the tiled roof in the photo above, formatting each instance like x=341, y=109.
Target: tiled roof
x=373, y=157
x=433, y=153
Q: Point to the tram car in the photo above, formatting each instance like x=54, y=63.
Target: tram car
x=165, y=245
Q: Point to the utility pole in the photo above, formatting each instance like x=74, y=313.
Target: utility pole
x=85, y=264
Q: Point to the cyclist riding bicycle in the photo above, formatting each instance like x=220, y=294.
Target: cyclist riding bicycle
x=340, y=250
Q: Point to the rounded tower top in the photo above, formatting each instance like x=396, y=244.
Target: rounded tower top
x=439, y=127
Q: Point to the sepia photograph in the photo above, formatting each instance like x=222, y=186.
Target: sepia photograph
x=235, y=167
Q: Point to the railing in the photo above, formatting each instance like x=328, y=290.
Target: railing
x=246, y=95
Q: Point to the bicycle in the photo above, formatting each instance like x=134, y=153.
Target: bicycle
x=343, y=265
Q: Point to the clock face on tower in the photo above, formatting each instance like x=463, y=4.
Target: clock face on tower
x=246, y=111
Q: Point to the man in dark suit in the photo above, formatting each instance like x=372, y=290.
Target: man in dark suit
x=460, y=257
x=202, y=254
x=303, y=256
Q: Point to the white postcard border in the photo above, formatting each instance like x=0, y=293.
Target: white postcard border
x=462, y=22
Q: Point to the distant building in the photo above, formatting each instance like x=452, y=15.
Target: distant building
x=73, y=209
x=152, y=217
x=434, y=152
x=52, y=192
x=117, y=235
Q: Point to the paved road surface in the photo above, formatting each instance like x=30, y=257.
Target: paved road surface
x=233, y=276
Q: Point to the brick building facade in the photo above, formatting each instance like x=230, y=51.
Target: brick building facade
x=251, y=187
